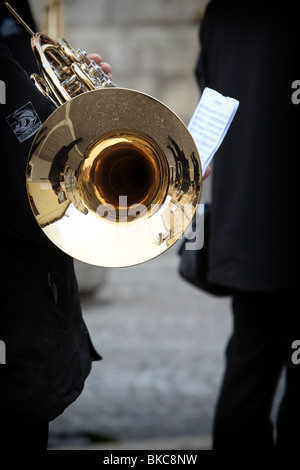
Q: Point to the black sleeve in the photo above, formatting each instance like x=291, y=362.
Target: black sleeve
x=200, y=70
x=23, y=109
x=15, y=37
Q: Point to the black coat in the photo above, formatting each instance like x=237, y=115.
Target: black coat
x=253, y=55
x=48, y=350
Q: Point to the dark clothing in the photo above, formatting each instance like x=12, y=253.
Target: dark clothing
x=265, y=325
x=26, y=437
x=15, y=37
x=252, y=54
x=48, y=350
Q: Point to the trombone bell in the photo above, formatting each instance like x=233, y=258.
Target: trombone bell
x=113, y=177
x=127, y=171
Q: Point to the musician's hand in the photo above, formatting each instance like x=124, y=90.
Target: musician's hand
x=207, y=172
x=104, y=65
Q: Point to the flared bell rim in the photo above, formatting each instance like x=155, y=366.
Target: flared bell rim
x=67, y=221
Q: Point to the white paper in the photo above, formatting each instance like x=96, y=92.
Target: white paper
x=210, y=123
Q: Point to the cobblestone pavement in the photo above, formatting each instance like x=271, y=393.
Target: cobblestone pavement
x=162, y=343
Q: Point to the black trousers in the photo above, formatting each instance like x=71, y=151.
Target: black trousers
x=264, y=328
x=30, y=437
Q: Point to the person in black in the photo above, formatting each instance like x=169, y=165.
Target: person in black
x=252, y=54
x=48, y=349
x=15, y=37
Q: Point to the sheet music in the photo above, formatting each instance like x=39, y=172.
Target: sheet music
x=210, y=123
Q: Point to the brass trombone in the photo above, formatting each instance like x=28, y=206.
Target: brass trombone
x=113, y=175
